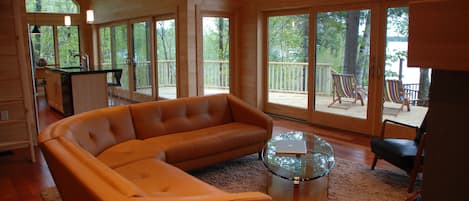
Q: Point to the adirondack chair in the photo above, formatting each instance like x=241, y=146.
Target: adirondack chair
x=345, y=86
x=394, y=92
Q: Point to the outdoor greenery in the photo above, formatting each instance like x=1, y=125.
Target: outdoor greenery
x=166, y=56
x=68, y=45
x=67, y=37
x=43, y=45
x=216, y=51
x=51, y=6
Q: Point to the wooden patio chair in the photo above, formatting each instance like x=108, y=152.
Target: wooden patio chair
x=345, y=86
x=394, y=92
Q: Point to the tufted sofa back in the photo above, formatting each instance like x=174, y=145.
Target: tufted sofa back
x=97, y=130
x=185, y=114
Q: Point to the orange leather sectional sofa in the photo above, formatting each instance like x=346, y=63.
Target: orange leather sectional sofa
x=138, y=152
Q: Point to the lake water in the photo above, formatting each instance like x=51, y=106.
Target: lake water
x=410, y=75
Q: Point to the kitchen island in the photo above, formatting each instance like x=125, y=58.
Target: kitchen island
x=73, y=90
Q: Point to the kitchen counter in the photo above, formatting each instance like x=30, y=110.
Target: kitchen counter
x=72, y=90
x=78, y=70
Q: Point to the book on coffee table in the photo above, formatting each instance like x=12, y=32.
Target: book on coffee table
x=290, y=147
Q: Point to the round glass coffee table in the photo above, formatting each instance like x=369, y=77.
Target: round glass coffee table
x=311, y=166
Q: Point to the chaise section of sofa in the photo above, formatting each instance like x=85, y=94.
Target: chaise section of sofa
x=140, y=151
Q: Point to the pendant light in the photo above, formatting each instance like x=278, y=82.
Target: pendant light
x=89, y=16
x=35, y=28
x=67, y=20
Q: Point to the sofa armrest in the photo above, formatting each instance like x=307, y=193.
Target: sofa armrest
x=242, y=112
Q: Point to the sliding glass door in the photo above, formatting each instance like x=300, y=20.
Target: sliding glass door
x=288, y=57
x=166, y=58
x=342, y=62
x=405, y=90
x=141, y=59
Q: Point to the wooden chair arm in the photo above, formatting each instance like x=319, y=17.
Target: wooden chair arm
x=386, y=121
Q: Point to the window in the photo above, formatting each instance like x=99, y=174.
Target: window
x=51, y=6
x=216, y=54
x=58, y=45
x=114, y=51
x=342, y=49
x=166, y=58
x=141, y=58
x=288, y=60
x=69, y=45
x=43, y=45
x=409, y=103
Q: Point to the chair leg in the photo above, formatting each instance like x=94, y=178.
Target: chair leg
x=375, y=160
x=361, y=99
x=413, y=177
x=408, y=106
x=259, y=155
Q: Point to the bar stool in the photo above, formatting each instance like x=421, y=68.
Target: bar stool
x=116, y=82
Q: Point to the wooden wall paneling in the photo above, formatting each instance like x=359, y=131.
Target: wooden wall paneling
x=11, y=88
x=6, y=35
x=199, y=50
x=15, y=109
x=438, y=34
x=9, y=67
x=445, y=169
x=153, y=64
x=52, y=19
x=124, y=9
x=187, y=49
x=86, y=33
x=9, y=131
x=16, y=92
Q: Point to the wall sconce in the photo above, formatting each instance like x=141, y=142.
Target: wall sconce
x=67, y=20
x=89, y=16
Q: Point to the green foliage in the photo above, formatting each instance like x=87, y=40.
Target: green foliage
x=166, y=52
x=216, y=45
x=68, y=45
x=43, y=44
x=288, y=38
x=51, y=6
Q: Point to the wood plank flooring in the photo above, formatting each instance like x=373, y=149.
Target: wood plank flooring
x=21, y=180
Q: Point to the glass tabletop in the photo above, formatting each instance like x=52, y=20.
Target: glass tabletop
x=317, y=162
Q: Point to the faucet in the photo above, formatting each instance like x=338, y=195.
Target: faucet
x=84, y=60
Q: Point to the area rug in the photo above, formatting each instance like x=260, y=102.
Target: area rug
x=349, y=181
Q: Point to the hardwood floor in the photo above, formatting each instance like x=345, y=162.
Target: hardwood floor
x=22, y=180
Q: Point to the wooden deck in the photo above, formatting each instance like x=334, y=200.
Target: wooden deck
x=414, y=117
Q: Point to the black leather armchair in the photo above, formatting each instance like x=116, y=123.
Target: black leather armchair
x=407, y=154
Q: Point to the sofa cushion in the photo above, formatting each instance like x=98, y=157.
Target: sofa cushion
x=157, y=178
x=97, y=130
x=203, y=142
x=159, y=118
x=129, y=151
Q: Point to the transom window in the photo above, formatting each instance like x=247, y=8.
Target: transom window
x=52, y=6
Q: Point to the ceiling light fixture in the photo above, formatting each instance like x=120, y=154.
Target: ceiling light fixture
x=67, y=20
x=89, y=16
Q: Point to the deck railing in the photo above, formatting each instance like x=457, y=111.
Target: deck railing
x=285, y=77
x=216, y=74
x=412, y=93
x=292, y=77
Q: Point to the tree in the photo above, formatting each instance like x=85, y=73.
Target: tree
x=351, y=42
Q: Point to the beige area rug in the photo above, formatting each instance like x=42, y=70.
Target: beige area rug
x=348, y=181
